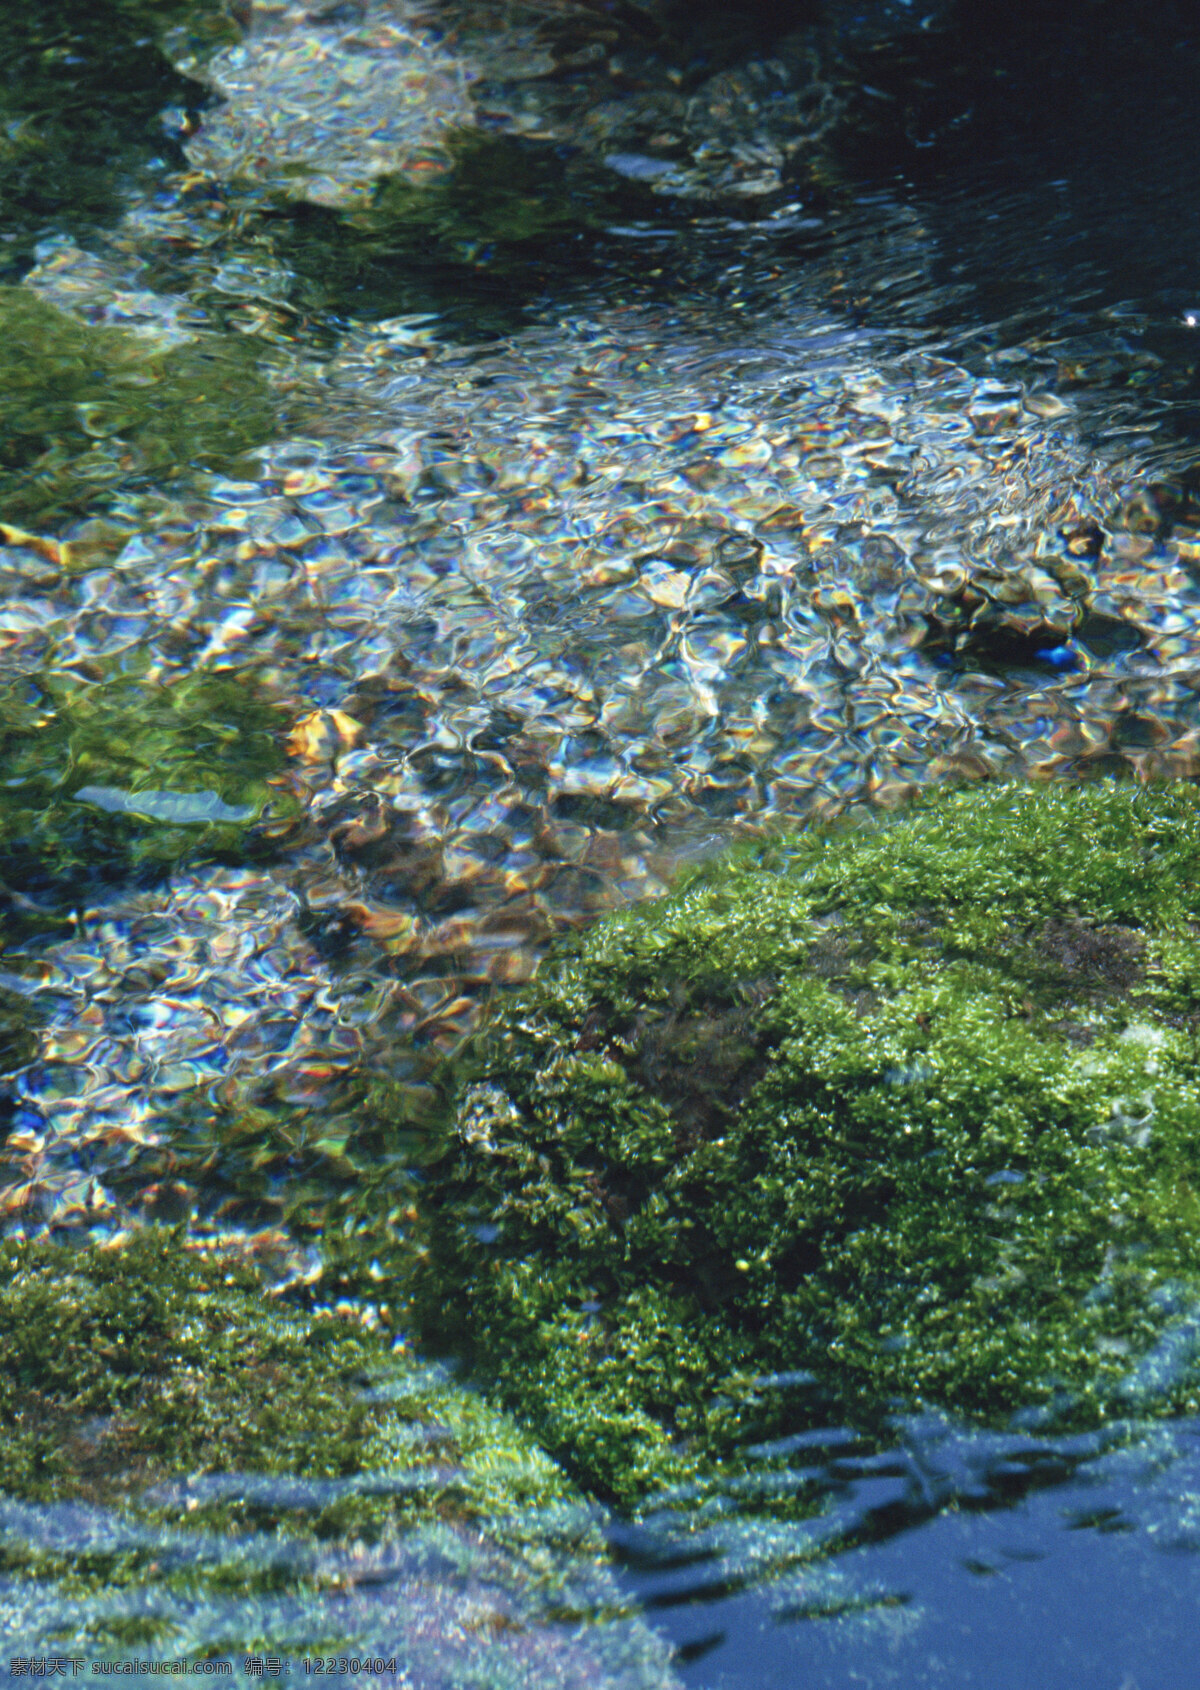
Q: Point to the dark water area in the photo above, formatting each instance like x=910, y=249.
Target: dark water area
x=84, y=89
x=1005, y=232
x=1054, y=158
x=1056, y=153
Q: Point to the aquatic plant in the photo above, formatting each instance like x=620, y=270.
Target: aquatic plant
x=243, y=1469
x=126, y=770
x=878, y=1118
x=19, y=1024
x=144, y=1330
x=85, y=407
x=338, y=1179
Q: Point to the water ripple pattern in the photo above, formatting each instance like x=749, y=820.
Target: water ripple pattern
x=551, y=616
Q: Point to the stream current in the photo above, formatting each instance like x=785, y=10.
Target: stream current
x=750, y=518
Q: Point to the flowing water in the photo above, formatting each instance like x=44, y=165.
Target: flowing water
x=554, y=527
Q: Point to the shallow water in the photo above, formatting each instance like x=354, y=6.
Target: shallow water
x=569, y=560
x=994, y=1561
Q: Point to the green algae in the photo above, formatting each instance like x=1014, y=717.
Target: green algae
x=195, y=1371
x=20, y=1025
x=232, y=1469
x=84, y=408
x=906, y=1116
x=82, y=87
x=132, y=772
x=472, y=245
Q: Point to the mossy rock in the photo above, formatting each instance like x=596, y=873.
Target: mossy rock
x=131, y=772
x=191, y=1467
x=877, y=1119
x=84, y=408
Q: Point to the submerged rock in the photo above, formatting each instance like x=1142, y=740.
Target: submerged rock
x=85, y=407
x=890, y=1119
x=196, y=1471
x=321, y=105
x=110, y=771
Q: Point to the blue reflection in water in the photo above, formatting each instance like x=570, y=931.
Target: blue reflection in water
x=995, y=1562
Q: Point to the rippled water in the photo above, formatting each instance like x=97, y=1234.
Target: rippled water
x=961, y=1560
x=764, y=492
x=541, y=639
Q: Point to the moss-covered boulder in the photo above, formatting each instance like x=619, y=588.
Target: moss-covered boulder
x=192, y=1469
x=873, y=1119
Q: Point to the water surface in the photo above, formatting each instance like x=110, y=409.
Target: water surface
x=538, y=551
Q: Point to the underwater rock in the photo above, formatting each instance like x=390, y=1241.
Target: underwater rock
x=193, y=1468
x=319, y=105
x=86, y=407
x=907, y=1111
x=689, y=106
x=108, y=771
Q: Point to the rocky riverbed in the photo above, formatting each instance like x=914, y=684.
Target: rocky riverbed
x=531, y=625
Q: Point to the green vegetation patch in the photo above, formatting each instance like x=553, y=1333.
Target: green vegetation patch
x=85, y=408
x=192, y=1370
x=243, y=1469
x=894, y=1117
x=127, y=770
x=473, y=244
x=82, y=87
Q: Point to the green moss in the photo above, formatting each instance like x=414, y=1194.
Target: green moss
x=242, y=1464
x=912, y=1108
x=129, y=771
x=194, y=1371
x=83, y=407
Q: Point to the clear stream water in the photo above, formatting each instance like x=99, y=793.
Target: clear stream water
x=581, y=541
